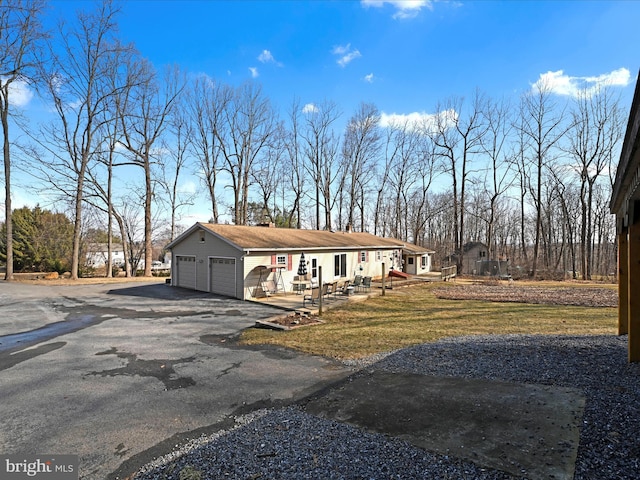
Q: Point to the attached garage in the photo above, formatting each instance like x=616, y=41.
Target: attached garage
x=186, y=271
x=222, y=276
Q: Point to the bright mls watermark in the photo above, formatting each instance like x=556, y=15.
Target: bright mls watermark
x=39, y=467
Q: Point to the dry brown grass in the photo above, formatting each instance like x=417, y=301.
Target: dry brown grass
x=413, y=315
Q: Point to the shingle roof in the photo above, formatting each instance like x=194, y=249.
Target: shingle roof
x=265, y=238
x=415, y=249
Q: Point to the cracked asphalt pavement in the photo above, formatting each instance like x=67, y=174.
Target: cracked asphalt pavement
x=118, y=373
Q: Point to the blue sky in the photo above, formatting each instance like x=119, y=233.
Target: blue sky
x=404, y=56
x=402, y=60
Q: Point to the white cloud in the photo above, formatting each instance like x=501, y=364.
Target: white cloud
x=346, y=54
x=426, y=122
x=309, y=108
x=267, y=57
x=369, y=78
x=403, y=8
x=254, y=72
x=20, y=94
x=189, y=188
x=561, y=84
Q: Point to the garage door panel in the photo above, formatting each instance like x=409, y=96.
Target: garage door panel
x=186, y=272
x=222, y=276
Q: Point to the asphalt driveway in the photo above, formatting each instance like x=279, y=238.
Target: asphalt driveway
x=116, y=373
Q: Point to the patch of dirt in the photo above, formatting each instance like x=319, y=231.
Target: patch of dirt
x=293, y=320
x=583, y=296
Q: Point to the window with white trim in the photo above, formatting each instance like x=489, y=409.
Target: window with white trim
x=378, y=256
x=424, y=261
x=281, y=260
x=363, y=256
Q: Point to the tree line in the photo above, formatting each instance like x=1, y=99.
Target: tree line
x=529, y=176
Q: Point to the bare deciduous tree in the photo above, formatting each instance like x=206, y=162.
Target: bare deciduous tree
x=391, y=149
x=360, y=150
x=458, y=133
x=206, y=102
x=595, y=132
x=20, y=35
x=295, y=165
x=495, y=145
x=78, y=83
x=320, y=150
x=268, y=174
x=542, y=127
x=249, y=123
x=144, y=113
x=173, y=163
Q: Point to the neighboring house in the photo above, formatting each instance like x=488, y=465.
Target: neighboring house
x=416, y=260
x=474, y=253
x=476, y=261
x=97, y=254
x=236, y=260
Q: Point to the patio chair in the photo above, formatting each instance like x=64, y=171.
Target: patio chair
x=311, y=297
x=366, y=284
x=314, y=297
x=332, y=289
x=357, y=283
x=342, y=287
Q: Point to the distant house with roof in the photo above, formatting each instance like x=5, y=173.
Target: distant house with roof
x=236, y=260
x=473, y=254
x=97, y=254
x=476, y=261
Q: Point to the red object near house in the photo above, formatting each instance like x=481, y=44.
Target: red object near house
x=398, y=273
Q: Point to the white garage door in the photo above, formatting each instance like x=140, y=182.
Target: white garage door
x=222, y=272
x=186, y=272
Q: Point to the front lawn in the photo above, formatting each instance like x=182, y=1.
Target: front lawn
x=412, y=315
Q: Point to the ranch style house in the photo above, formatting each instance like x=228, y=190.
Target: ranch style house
x=242, y=261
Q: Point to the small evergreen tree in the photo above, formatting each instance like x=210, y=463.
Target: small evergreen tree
x=42, y=241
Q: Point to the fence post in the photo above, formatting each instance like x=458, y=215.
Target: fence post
x=320, y=291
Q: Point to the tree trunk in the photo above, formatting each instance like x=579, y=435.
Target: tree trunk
x=148, y=244
x=7, y=185
x=77, y=223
